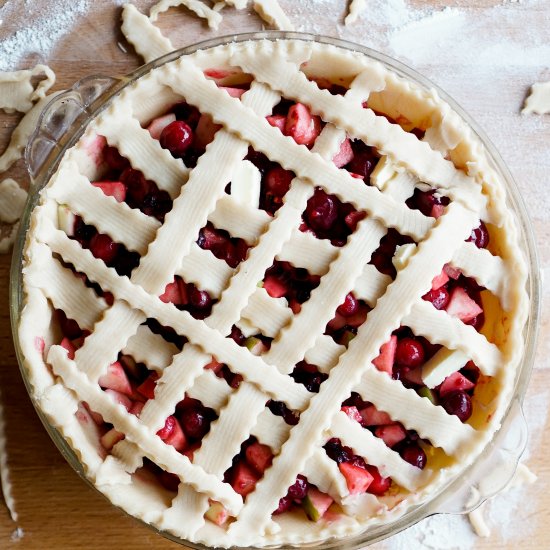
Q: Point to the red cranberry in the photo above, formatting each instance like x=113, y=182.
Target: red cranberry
x=379, y=485
x=298, y=491
x=114, y=159
x=177, y=138
x=362, y=164
x=188, y=113
x=409, y=353
x=413, y=454
x=194, y=422
x=321, y=211
x=137, y=186
x=480, y=236
x=458, y=403
x=285, y=503
x=103, y=247
x=237, y=335
x=438, y=297
x=199, y=298
x=69, y=327
x=349, y=307
x=277, y=181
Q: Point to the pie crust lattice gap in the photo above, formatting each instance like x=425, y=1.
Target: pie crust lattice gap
x=169, y=249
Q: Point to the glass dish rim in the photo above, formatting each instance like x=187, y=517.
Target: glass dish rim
x=514, y=200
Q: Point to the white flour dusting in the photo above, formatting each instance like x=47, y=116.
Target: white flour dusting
x=45, y=24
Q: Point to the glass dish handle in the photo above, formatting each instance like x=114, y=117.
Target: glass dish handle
x=59, y=120
x=492, y=474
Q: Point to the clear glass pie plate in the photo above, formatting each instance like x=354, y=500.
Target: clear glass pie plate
x=65, y=120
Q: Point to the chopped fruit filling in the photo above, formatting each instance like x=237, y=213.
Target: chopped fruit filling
x=358, y=479
x=462, y=306
x=309, y=376
x=316, y=503
x=224, y=247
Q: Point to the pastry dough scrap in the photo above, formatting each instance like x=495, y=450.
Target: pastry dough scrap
x=272, y=13
x=17, y=92
x=355, y=9
x=12, y=200
x=200, y=8
x=538, y=101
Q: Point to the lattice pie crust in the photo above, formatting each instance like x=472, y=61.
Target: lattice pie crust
x=448, y=157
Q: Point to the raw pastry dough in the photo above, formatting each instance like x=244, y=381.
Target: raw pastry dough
x=17, y=92
x=272, y=13
x=355, y=9
x=538, y=101
x=12, y=201
x=196, y=6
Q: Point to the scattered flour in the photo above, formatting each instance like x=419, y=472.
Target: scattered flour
x=47, y=22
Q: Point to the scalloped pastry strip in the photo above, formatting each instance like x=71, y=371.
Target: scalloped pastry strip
x=199, y=8
x=240, y=120
x=152, y=445
x=449, y=231
x=272, y=13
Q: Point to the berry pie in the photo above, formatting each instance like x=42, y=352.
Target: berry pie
x=273, y=295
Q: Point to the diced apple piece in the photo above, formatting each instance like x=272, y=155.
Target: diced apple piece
x=69, y=346
x=114, y=189
x=172, y=434
x=455, y=381
x=217, y=513
x=384, y=362
x=371, y=416
x=66, y=219
x=259, y=456
x=428, y=393
x=244, y=479
x=452, y=272
x=233, y=92
x=392, y=434
x=274, y=287
x=379, y=484
x=437, y=211
x=462, y=306
x=357, y=478
x=120, y=398
x=302, y=125
x=439, y=280
x=175, y=293
x=255, y=345
x=344, y=155
x=353, y=413
x=315, y=504
x=246, y=184
x=115, y=379
x=278, y=121
x=158, y=124
x=111, y=438
x=147, y=388
x=204, y=133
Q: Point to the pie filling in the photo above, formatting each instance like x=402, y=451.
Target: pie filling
x=147, y=387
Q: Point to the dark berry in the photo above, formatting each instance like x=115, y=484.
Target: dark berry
x=285, y=503
x=114, y=159
x=321, y=211
x=337, y=452
x=195, y=422
x=199, y=299
x=103, y=247
x=349, y=306
x=458, y=403
x=439, y=297
x=413, y=454
x=177, y=138
x=277, y=181
x=298, y=491
x=409, y=353
x=480, y=236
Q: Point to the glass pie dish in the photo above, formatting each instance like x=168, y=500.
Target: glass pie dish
x=332, y=512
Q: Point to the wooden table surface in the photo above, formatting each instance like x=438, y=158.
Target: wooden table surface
x=56, y=508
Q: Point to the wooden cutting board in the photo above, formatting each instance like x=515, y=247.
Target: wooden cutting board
x=57, y=509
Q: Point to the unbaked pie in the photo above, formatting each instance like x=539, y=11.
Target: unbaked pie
x=273, y=295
